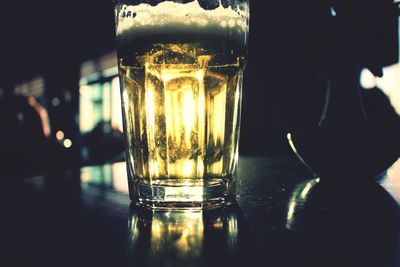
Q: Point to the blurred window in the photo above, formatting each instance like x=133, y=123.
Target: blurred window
x=99, y=94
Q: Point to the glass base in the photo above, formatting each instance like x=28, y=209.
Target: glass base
x=192, y=197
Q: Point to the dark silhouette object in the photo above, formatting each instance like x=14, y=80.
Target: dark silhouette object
x=20, y=120
x=351, y=136
x=103, y=144
x=361, y=150
x=359, y=223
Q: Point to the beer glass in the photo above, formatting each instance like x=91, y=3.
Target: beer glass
x=181, y=68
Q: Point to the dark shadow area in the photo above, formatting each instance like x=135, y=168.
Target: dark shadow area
x=299, y=221
x=282, y=219
x=342, y=225
x=26, y=143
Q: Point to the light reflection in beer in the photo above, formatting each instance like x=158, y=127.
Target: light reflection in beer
x=188, y=114
x=216, y=100
x=185, y=116
x=187, y=168
x=184, y=90
x=150, y=123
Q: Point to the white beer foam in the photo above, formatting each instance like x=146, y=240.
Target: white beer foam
x=172, y=17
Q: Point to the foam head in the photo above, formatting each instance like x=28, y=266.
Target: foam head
x=171, y=17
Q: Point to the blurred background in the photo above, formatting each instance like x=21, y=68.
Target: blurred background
x=59, y=86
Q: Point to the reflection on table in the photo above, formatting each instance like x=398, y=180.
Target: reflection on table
x=183, y=238
x=283, y=217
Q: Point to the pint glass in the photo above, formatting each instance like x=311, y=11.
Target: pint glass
x=181, y=68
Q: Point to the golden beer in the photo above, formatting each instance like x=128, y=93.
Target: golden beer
x=181, y=96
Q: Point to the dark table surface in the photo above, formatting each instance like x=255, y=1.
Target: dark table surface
x=283, y=217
